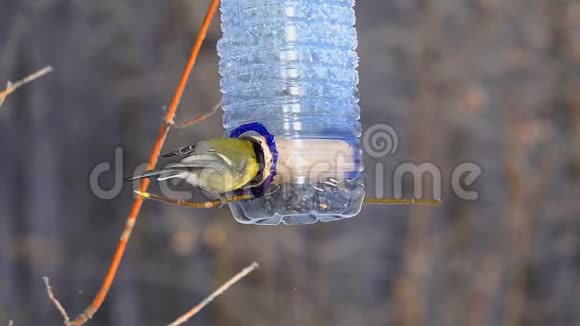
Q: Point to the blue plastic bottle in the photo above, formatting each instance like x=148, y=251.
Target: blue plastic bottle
x=291, y=66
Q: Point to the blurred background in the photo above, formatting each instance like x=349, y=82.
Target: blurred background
x=492, y=82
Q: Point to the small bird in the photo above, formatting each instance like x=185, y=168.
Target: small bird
x=218, y=165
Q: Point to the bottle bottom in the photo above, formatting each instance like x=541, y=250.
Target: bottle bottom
x=305, y=203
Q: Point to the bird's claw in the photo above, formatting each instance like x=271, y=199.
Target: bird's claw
x=223, y=202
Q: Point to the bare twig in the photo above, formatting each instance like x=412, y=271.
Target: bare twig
x=183, y=319
x=11, y=87
x=198, y=118
x=3, y=97
x=55, y=301
x=204, y=204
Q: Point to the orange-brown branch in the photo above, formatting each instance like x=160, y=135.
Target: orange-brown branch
x=136, y=208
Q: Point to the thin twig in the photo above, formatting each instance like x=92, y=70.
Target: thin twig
x=403, y=201
x=3, y=97
x=203, y=204
x=94, y=306
x=199, y=117
x=55, y=301
x=183, y=319
x=11, y=87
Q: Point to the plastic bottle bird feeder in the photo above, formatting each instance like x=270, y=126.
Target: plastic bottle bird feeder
x=289, y=76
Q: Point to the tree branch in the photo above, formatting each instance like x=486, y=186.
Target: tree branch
x=55, y=301
x=94, y=306
x=183, y=319
x=12, y=87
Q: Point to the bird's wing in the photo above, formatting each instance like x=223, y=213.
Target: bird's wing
x=204, y=161
x=192, y=165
